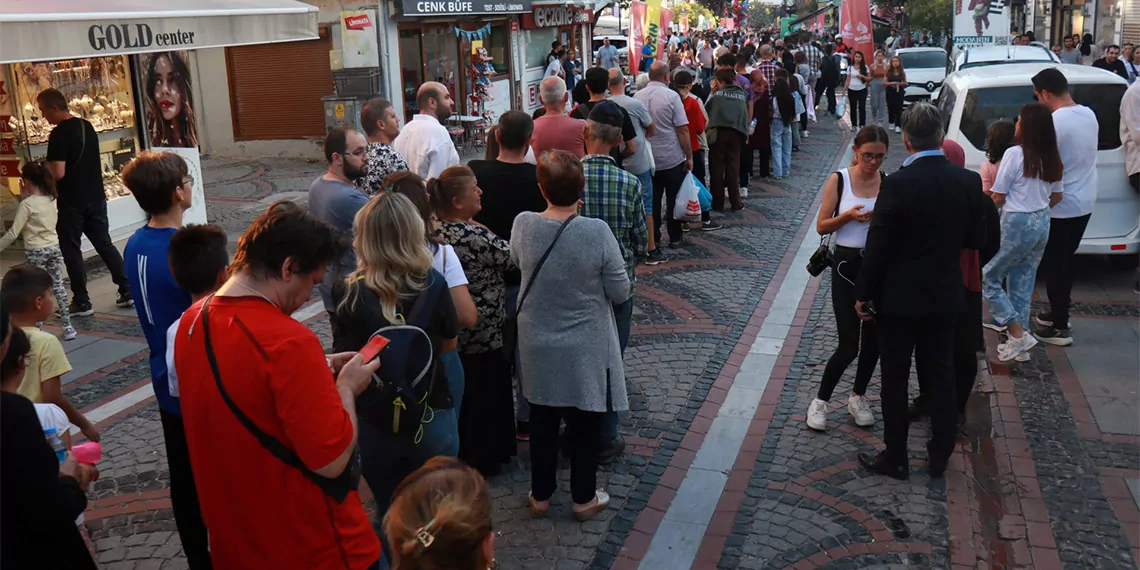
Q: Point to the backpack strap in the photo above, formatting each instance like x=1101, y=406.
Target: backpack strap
x=420, y=307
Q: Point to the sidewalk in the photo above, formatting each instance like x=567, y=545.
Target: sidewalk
x=728, y=345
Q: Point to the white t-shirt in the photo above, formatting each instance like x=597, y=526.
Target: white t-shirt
x=446, y=262
x=1078, y=134
x=171, y=372
x=554, y=68
x=857, y=83
x=1021, y=194
x=52, y=416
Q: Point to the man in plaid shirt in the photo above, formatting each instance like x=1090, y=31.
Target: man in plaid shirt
x=814, y=60
x=613, y=196
x=768, y=65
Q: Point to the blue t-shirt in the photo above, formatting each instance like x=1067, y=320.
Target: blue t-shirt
x=159, y=301
x=337, y=203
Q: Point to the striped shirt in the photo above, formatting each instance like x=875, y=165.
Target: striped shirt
x=614, y=196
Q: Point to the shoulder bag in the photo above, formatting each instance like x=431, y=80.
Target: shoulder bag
x=824, y=257
x=511, y=322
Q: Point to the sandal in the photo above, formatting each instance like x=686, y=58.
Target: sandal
x=538, y=508
x=602, y=500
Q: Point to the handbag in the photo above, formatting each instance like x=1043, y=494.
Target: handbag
x=824, y=257
x=336, y=488
x=511, y=322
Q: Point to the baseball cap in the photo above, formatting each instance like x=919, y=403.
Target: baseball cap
x=607, y=113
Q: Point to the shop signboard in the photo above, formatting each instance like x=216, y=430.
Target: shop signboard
x=981, y=23
x=9, y=160
x=462, y=8
x=359, y=42
x=553, y=17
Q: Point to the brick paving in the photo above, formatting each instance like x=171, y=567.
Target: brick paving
x=1036, y=483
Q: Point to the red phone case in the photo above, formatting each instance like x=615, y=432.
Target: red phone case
x=373, y=348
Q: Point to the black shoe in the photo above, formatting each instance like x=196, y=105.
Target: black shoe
x=937, y=467
x=678, y=244
x=916, y=410
x=710, y=226
x=522, y=431
x=77, y=309
x=1044, y=320
x=123, y=300
x=612, y=451
x=880, y=465
x=1054, y=336
x=655, y=257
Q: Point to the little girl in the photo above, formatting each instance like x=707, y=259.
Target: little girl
x=1000, y=139
x=35, y=219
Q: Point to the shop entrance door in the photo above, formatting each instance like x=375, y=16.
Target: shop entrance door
x=429, y=53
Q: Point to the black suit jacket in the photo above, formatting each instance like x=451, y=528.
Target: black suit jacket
x=925, y=215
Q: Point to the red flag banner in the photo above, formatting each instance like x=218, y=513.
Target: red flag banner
x=855, y=26
x=636, y=34
x=666, y=20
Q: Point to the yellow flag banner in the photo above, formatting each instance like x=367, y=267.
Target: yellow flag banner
x=653, y=31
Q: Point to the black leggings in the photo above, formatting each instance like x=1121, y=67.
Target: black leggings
x=856, y=338
x=857, y=101
x=895, y=97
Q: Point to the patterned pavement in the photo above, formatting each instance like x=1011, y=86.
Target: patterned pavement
x=1036, y=484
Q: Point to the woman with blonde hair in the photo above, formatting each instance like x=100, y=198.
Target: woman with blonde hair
x=394, y=284
x=440, y=519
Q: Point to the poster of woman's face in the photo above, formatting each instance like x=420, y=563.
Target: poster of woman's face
x=169, y=100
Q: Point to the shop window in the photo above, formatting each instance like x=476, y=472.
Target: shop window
x=537, y=44
x=499, y=48
x=411, y=69
x=441, y=50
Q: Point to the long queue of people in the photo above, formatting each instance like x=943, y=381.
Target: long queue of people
x=912, y=271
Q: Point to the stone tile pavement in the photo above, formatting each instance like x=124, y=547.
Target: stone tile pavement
x=1042, y=481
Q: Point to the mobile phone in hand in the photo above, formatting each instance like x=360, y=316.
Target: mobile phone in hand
x=373, y=347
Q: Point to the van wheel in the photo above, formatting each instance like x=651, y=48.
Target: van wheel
x=1124, y=262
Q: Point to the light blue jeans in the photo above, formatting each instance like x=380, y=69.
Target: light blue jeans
x=878, y=96
x=441, y=433
x=781, y=147
x=1023, y=239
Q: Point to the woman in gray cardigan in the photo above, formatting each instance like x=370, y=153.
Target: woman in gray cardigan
x=570, y=361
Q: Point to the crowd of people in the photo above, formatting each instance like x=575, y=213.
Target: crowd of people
x=475, y=306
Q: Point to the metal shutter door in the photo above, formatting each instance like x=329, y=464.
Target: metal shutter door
x=276, y=89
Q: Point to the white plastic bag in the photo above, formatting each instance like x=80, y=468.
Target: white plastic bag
x=841, y=106
x=688, y=206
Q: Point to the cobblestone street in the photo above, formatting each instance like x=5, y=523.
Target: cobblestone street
x=729, y=341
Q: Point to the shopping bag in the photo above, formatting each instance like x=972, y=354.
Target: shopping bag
x=841, y=106
x=811, y=106
x=703, y=195
x=688, y=205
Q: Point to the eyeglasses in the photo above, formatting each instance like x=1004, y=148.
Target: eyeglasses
x=359, y=152
x=189, y=181
x=869, y=157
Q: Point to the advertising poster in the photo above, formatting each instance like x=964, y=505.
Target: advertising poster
x=855, y=26
x=636, y=34
x=653, y=32
x=197, y=212
x=981, y=23
x=359, y=43
x=666, y=21
x=167, y=99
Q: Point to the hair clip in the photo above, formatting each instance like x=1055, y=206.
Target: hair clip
x=426, y=538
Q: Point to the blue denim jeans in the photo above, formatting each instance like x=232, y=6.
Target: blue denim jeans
x=522, y=407
x=441, y=430
x=646, y=180
x=623, y=314
x=781, y=140
x=1023, y=239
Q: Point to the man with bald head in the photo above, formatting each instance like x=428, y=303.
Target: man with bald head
x=556, y=130
x=638, y=164
x=424, y=142
x=672, y=150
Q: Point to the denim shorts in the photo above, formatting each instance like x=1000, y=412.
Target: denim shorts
x=646, y=179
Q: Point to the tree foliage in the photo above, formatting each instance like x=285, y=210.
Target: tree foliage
x=764, y=15
x=933, y=15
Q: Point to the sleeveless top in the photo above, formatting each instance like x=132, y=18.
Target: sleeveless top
x=896, y=78
x=853, y=233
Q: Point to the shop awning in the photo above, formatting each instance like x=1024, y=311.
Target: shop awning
x=36, y=30
x=803, y=19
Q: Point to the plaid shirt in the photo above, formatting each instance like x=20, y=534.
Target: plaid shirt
x=768, y=69
x=814, y=59
x=614, y=196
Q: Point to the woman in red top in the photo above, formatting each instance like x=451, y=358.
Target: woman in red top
x=698, y=120
x=762, y=112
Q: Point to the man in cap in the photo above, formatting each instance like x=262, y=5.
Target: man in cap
x=613, y=196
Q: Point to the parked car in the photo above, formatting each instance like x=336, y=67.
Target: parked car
x=983, y=56
x=973, y=98
x=925, y=70
x=620, y=42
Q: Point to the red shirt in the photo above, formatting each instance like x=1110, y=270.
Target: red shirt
x=697, y=120
x=559, y=132
x=260, y=512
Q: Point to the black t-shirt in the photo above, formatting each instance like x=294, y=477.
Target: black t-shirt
x=75, y=143
x=508, y=190
x=351, y=329
x=1116, y=67
x=627, y=132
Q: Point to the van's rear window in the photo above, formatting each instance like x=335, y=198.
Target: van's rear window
x=988, y=104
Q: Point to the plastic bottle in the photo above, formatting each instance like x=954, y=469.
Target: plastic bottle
x=56, y=443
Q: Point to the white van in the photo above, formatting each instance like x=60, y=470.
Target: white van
x=972, y=99
x=925, y=69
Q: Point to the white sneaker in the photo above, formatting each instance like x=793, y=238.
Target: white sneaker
x=898, y=129
x=858, y=408
x=817, y=415
x=743, y=191
x=69, y=333
x=1016, y=347
x=807, y=133
x=1024, y=357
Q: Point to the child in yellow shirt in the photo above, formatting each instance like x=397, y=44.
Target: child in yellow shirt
x=26, y=290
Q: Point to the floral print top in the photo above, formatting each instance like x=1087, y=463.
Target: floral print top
x=382, y=161
x=484, y=257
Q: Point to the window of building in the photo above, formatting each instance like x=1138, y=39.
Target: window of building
x=537, y=44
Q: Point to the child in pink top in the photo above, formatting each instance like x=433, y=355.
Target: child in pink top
x=1000, y=138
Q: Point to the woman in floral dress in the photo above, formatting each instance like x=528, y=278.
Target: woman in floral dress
x=486, y=420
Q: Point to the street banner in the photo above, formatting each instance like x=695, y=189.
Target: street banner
x=728, y=23
x=653, y=31
x=855, y=26
x=684, y=24
x=636, y=34
x=666, y=20
x=981, y=23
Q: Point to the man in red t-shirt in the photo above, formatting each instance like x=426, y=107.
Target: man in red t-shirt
x=554, y=129
x=841, y=47
x=260, y=512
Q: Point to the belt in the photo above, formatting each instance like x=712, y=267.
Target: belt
x=852, y=250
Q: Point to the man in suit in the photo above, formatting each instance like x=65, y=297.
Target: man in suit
x=911, y=283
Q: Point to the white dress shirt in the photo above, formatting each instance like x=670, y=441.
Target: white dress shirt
x=427, y=147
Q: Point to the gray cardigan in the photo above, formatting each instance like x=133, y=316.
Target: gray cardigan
x=568, y=343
